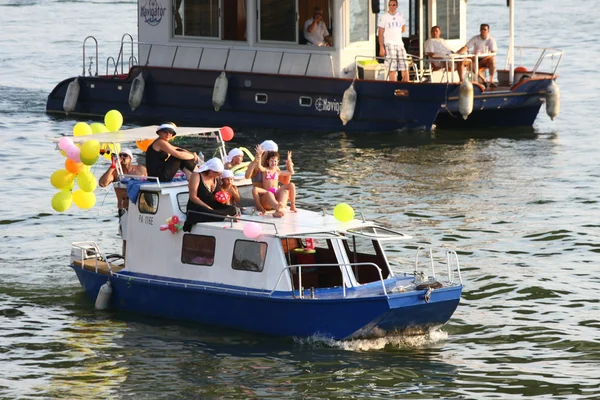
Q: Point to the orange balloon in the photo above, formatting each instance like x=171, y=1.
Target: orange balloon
x=143, y=144
x=73, y=166
x=226, y=133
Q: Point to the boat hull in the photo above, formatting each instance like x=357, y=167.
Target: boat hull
x=518, y=106
x=256, y=100
x=328, y=315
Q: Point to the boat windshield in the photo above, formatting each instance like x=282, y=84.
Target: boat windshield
x=378, y=233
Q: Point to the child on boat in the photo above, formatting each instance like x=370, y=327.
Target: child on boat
x=270, y=193
x=228, y=186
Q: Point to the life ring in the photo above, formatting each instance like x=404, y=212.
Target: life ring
x=247, y=152
x=240, y=167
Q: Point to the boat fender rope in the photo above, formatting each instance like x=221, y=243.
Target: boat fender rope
x=427, y=296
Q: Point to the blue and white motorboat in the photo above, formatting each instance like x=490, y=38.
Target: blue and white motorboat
x=301, y=275
x=245, y=63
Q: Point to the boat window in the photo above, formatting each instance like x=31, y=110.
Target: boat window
x=182, y=200
x=198, y=249
x=278, y=21
x=249, y=255
x=359, y=20
x=148, y=202
x=225, y=19
x=448, y=18
x=366, y=251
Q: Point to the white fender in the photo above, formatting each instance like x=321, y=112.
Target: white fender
x=552, y=100
x=465, y=98
x=71, y=96
x=136, y=93
x=220, y=91
x=103, y=299
x=348, y=105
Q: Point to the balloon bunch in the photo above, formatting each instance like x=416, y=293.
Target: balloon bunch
x=172, y=225
x=79, y=160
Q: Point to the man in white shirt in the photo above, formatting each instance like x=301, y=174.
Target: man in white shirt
x=484, y=43
x=315, y=30
x=391, y=26
x=436, y=47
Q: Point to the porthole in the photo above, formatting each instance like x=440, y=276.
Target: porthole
x=261, y=98
x=305, y=101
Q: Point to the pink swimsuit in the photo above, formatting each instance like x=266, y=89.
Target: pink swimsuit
x=273, y=175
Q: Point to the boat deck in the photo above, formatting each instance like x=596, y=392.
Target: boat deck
x=99, y=266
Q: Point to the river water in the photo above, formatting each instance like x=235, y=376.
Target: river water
x=521, y=207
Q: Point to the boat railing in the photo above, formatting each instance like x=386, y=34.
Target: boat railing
x=536, y=59
x=93, y=61
x=121, y=56
x=233, y=219
x=89, y=250
x=450, y=259
x=414, y=64
x=299, y=267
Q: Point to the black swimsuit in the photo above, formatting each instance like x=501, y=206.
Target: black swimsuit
x=160, y=165
x=208, y=197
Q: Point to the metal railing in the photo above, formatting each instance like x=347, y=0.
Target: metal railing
x=413, y=63
x=526, y=56
x=452, y=263
x=340, y=266
x=87, y=249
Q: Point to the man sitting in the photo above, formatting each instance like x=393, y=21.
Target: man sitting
x=125, y=158
x=436, y=47
x=315, y=30
x=484, y=43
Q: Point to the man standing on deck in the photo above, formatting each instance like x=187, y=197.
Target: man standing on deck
x=391, y=26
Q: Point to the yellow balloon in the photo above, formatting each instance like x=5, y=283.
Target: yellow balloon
x=82, y=129
x=113, y=120
x=61, y=201
x=61, y=178
x=343, y=212
x=86, y=181
x=98, y=127
x=90, y=151
x=84, y=200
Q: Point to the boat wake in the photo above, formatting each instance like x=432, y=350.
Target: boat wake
x=387, y=342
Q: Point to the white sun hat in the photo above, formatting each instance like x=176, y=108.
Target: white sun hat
x=234, y=153
x=269, y=145
x=214, y=164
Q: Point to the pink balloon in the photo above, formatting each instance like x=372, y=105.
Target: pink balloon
x=64, y=143
x=252, y=230
x=73, y=153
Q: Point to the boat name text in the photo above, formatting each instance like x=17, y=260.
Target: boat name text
x=153, y=12
x=146, y=219
x=324, y=104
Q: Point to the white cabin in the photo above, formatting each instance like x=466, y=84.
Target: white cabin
x=266, y=36
x=218, y=253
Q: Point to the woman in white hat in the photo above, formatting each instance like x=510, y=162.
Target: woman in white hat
x=203, y=186
x=163, y=160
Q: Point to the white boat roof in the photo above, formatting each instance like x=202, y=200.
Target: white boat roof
x=143, y=133
x=307, y=223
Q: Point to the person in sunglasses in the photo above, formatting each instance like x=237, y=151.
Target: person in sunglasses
x=125, y=158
